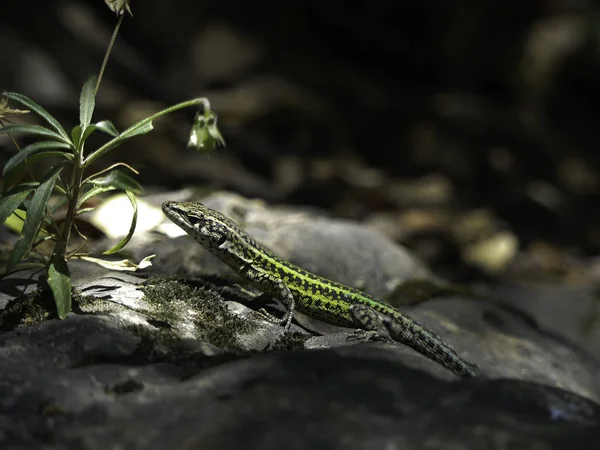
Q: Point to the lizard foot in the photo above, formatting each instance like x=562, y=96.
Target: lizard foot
x=286, y=320
x=367, y=336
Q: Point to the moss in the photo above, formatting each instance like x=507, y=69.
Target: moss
x=197, y=309
x=291, y=341
x=28, y=309
x=161, y=345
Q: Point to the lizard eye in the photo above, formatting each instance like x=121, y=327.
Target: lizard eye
x=221, y=240
x=194, y=220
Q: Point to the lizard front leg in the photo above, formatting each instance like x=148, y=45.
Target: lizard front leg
x=277, y=288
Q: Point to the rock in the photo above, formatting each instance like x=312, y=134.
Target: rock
x=173, y=362
x=56, y=345
x=351, y=398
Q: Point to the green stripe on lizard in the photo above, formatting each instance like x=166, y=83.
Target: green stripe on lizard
x=306, y=292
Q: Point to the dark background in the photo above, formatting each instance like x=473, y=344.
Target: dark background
x=411, y=116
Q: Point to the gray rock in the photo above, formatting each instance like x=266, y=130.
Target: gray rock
x=172, y=363
x=351, y=398
x=56, y=345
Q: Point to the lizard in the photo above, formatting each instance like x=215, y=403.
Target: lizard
x=306, y=292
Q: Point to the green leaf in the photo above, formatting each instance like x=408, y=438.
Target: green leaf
x=142, y=127
x=110, y=179
x=76, y=133
x=39, y=111
x=36, y=149
x=12, y=199
x=91, y=192
x=92, y=157
x=107, y=127
x=58, y=188
x=118, y=179
x=80, y=135
x=16, y=173
x=6, y=112
x=35, y=216
x=15, y=222
x=127, y=238
x=87, y=102
x=88, y=131
x=33, y=129
x=59, y=280
x=84, y=210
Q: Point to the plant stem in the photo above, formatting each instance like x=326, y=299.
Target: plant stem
x=132, y=130
x=108, y=51
x=76, y=179
x=78, y=166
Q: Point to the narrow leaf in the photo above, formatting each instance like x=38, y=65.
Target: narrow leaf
x=107, y=127
x=33, y=129
x=127, y=238
x=110, y=179
x=87, y=102
x=16, y=173
x=118, y=179
x=84, y=210
x=138, y=129
x=6, y=112
x=59, y=280
x=76, y=133
x=91, y=192
x=146, y=262
x=92, y=157
x=35, y=215
x=80, y=134
x=123, y=265
x=39, y=111
x=88, y=130
x=60, y=189
x=36, y=149
x=12, y=199
x=27, y=265
x=109, y=168
x=15, y=222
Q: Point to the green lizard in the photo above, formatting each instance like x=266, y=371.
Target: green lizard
x=309, y=293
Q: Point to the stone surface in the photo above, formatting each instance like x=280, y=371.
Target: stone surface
x=351, y=398
x=152, y=362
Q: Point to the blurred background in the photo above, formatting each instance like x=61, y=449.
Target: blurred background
x=467, y=131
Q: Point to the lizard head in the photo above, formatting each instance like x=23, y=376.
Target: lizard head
x=212, y=229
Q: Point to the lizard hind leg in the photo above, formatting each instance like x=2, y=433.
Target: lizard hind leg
x=370, y=326
x=406, y=331
x=286, y=320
